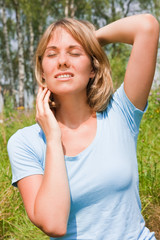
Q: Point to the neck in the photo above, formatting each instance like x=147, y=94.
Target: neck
x=73, y=111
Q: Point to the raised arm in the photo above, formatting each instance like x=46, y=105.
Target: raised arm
x=142, y=31
x=46, y=197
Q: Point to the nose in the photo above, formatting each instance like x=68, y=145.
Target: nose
x=63, y=60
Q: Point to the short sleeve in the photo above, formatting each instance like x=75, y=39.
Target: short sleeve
x=131, y=114
x=23, y=157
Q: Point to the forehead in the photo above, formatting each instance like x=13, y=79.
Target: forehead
x=61, y=37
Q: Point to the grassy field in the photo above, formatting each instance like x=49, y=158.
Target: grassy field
x=14, y=224
x=149, y=163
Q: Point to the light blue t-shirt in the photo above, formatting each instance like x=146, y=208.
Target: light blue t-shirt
x=103, y=179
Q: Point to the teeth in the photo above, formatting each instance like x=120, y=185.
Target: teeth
x=64, y=76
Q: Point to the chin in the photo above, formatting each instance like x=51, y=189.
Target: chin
x=68, y=91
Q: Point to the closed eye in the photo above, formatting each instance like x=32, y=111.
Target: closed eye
x=51, y=55
x=75, y=54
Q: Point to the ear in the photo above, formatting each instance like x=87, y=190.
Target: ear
x=92, y=74
x=43, y=79
x=43, y=75
x=44, y=83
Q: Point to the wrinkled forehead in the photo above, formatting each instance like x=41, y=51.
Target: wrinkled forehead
x=61, y=35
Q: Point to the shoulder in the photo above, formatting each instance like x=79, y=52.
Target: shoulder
x=30, y=132
x=121, y=109
x=26, y=150
x=31, y=137
x=123, y=103
x=117, y=100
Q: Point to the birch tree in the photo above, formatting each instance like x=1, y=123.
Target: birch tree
x=36, y=15
x=21, y=69
x=7, y=46
x=70, y=8
x=75, y=8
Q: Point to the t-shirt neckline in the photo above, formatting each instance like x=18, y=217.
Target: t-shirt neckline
x=90, y=146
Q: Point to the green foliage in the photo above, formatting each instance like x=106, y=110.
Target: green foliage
x=38, y=14
x=149, y=163
x=149, y=151
x=118, y=56
x=14, y=223
x=8, y=104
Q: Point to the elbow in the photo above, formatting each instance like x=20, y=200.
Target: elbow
x=58, y=231
x=51, y=227
x=54, y=231
x=150, y=25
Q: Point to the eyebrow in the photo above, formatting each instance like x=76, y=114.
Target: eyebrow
x=69, y=47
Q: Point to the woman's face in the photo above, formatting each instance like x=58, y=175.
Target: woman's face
x=66, y=66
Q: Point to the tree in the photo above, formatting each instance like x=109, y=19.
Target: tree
x=32, y=18
x=70, y=8
x=7, y=46
x=21, y=69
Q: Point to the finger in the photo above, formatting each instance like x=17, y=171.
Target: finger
x=40, y=99
x=40, y=89
x=46, y=97
x=46, y=100
x=42, y=92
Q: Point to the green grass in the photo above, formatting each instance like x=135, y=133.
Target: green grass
x=149, y=150
x=14, y=223
x=149, y=163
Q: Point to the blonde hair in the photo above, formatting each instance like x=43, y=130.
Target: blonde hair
x=100, y=88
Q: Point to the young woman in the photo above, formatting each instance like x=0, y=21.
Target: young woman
x=76, y=169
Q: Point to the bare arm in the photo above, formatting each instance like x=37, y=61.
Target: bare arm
x=47, y=198
x=142, y=31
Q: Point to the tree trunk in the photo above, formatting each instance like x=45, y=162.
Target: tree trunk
x=21, y=69
x=70, y=8
x=66, y=10
x=128, y=8
x=31, y=50
x=31, y=47
x=113, y=10
x=7, y=47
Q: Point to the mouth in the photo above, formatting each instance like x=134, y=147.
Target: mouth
x=64, y=75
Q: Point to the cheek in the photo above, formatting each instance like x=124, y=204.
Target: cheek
x=84, y=67
x=87, y=72
x=47, y=68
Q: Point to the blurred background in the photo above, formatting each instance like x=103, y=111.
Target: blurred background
x=22, y=23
